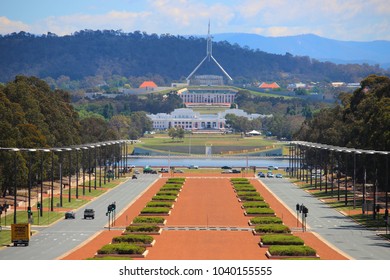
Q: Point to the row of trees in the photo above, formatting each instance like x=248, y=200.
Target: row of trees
x=32, y=115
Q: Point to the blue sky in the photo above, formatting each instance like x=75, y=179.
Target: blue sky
x=347, y=20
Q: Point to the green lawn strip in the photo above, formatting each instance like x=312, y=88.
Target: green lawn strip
x=281, y=239
x=21, y=217
x=142, y=228
x=251, y=198
x=167, y=192
x=272, y=228
x=164, y=198
x=167, y=204
x=133, y=238
x=291, y=250
x=5, y=237
x=255, y=204
x=247, y=193
x=155, y=210
x=266, y=220
x=148, y=220
x=264, y=211
x=73, y=204
x=121, y=248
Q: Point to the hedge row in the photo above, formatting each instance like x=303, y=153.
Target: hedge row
x=281, y=239
x=143, y=228
x=155, y=210
x=291, y=250
x=264, y=210
x=148, y=220
x=266, y=220
x=133, y=238
x=272, y=228
x=121, y=248
x=255, y=204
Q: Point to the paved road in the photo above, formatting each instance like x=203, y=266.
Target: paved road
x=54, y=241
x=339, y=230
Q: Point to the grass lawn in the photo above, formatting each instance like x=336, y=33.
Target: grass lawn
x=21, y=217
x=5, y=237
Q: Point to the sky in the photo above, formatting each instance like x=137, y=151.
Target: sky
x=346, y=20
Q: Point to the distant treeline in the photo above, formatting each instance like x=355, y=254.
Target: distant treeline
x=107, y=53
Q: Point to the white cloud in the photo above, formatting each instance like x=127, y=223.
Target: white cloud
x=8, y=26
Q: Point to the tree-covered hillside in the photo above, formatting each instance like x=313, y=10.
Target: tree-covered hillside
x=106, y=53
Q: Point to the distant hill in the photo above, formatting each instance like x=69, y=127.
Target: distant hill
x=323, y=49
x=106, y=53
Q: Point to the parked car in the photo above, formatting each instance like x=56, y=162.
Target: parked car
x=236, y=171
x=89, y=213
x=270, y=175
x=163, y=170
x=261, y=175
x=279, y=175
x=178, y=171
x=70, y=215
x=226, y=167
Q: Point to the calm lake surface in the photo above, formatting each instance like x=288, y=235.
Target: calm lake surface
x=208, y=162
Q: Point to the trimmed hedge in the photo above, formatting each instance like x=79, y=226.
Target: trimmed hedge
x=266, y=220
x=148, y=220
x=133, y=238
x=168, y=192
x=272, y=228
x=175, y=180
x=143, y=228
x=167, y=204
x=121, y=248
x=259, y=210
x=251, y=198
x=291, y=250
x=164, y=197
x=281, y=239
x=238, y=180
x=255, y=204
x=170, y=187
x=244, y=188
x=155, y=210
x=243, y=193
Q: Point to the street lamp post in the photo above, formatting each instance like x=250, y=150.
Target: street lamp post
x=15, y=181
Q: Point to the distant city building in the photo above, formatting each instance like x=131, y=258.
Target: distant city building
x=189, y=120
x=207, y=96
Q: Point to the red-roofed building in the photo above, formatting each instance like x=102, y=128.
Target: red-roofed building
x=273, y=85
x=148, y=85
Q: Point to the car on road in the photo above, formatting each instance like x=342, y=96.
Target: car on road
x=236, y=171
x=278, y=175
x=163, y=170
x=225, y=171
x=70, y=215
x=270, y=175
x=89, y=213
x=261, y=174
x=178, y=171
x=193, y=167
x=226, y=167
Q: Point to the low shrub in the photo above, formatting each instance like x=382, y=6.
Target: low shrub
x=291, y=250
x=164, y=197
x=121, y=248
x=155, y=210
x=171, y=187
x=168, y=192
x=281, y=239
x=175, y=180
x=272, y=228
x=133, y=238
x=143, y=228
x=237, y=180
x=148, y=220
x=255, y=204
x=265, y=210
x=251, y=198
x=266, y=220
x=243, y=193
x=159, y=204
x=249, y=188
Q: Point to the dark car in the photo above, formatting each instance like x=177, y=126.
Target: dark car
x=236, y=171
x=261, y=175
x=226, y=167
x=89, y=214
x=70, y=215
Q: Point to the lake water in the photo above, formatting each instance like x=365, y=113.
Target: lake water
x=208, y=162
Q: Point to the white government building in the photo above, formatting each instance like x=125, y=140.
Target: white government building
x=189, y=120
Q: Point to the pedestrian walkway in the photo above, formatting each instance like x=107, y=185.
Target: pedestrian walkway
x=337, y=229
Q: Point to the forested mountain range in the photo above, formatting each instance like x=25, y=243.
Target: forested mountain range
x=106, y=53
